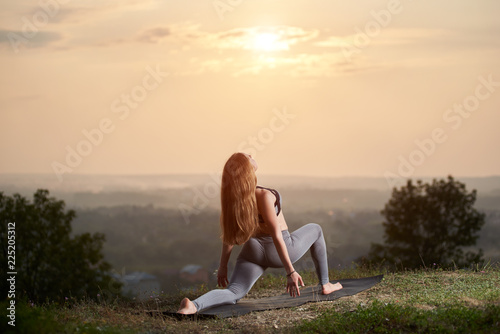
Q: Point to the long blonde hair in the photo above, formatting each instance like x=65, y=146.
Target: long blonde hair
x=239, y=214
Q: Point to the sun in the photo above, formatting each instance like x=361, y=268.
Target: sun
x=265, y=41
x=268, y=41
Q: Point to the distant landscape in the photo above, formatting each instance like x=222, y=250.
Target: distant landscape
x=161, y=224
x=168, y=191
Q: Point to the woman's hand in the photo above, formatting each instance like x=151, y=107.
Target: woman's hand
x=292, y=285
x=222, y=276
x=224, y=259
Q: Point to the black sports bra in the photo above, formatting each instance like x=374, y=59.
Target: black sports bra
x=277, y=203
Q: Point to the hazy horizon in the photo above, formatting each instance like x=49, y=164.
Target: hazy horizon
x=148, y=182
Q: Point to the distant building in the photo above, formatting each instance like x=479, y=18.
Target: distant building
x=140, y=285
x=194, y=273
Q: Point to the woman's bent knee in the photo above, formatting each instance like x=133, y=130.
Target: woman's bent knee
x=237, y=291
x=315, y=227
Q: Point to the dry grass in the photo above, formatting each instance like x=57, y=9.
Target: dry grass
x=425, y=290
x=133, y=317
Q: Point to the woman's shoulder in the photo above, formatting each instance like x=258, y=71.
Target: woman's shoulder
x=265, y=189
x=264, y=194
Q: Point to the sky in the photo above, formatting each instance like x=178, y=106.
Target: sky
x=394, y=89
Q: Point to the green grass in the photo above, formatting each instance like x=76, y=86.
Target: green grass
x=53, y=318
x=421, y=301
x=381, y=317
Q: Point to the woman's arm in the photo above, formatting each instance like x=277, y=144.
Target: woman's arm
x=266, y=208
x=224, y=259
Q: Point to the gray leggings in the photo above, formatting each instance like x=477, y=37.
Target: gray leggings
x=259, y=253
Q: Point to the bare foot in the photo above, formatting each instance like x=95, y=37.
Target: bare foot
x=329, y=288
x=187, y=307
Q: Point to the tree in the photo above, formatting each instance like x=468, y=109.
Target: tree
x=428, y=224
x=50, y=263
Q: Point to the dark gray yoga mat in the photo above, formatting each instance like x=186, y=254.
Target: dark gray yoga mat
x=307, y=295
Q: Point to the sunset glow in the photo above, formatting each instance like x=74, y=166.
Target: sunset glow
x=268, y=42
x=404, y=88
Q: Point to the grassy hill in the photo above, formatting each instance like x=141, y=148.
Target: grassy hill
x=422, y=301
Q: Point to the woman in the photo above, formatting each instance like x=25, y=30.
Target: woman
x=251, y=215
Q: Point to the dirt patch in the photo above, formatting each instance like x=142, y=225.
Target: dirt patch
x=424, y=307
x=281, y=319
x=278, y=319
x=472, y=301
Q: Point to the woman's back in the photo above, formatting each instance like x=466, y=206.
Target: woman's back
x=264, y=197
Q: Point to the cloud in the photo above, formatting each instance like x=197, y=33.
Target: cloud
x=244, y=38
x=75, y=15
x=261, y=50
x=87, y=11
x=456, y=38
x=17, y=40
x=305, y=65
x=153, y=35
x=42, y=23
